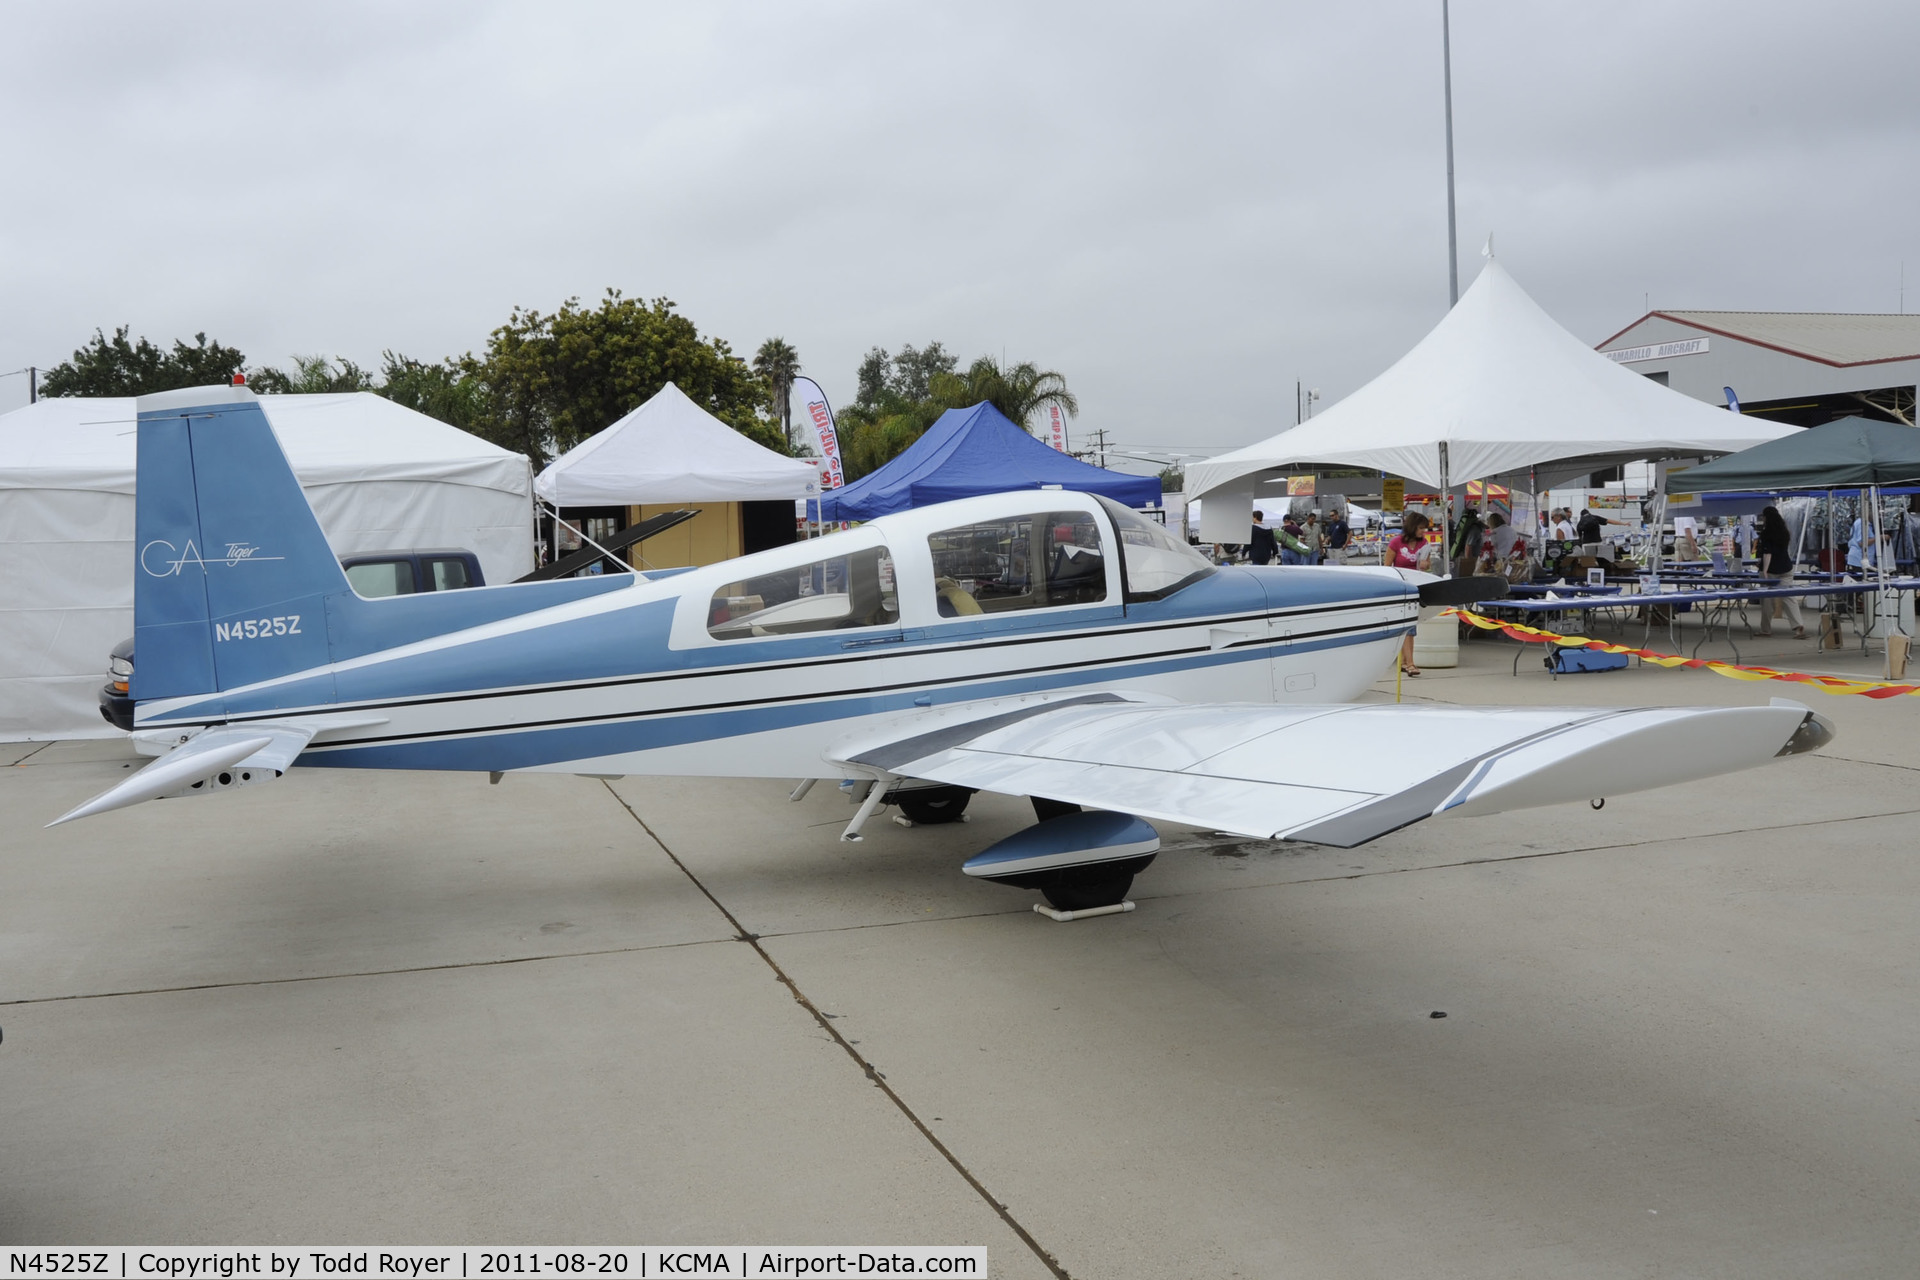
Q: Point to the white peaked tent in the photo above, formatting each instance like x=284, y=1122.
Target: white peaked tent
x=379, y=477
x=1496, y=388
x=671, y=450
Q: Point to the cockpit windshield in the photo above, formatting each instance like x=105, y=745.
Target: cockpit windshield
x=1157, y=562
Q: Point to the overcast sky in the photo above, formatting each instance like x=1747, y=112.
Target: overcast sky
x=1181, y=208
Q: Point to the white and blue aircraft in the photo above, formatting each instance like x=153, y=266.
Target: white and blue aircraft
x=1043, y=643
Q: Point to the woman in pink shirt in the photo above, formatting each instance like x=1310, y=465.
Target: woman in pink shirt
x=1409, y=550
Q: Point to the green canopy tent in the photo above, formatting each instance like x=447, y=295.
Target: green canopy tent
x=1850, y=453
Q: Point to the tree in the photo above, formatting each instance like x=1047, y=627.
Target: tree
x=914, y=371
x=1173, y=479
x=450, y=391
x=116, y=367
x=777, y=363
x=871, y=379
x=1019, y=391
x=907, y=376
x=872, y=436
x=553, y=380
x=900, y=396
x=312, y=375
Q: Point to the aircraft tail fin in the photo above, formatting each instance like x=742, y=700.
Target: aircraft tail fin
x=232, y=573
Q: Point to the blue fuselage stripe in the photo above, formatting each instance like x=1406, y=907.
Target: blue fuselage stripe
x=517, y=747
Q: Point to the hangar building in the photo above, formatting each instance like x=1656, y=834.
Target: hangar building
x=1799, y=368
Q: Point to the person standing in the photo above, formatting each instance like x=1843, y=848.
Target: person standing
x=1337, y=534
x=1262, y=545
x=1503, y=538
x=1409, y=550
x=1593, y=525
x=1292, y=549
x=1467, y=540
x=1776, y=563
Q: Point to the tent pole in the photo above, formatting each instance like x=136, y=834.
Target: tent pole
x=1446, y=515
x=1659, y=514
x=1880, y=572
x=1453, y=236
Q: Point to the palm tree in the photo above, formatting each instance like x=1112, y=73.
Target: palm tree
x=1019, y=391
x=312, y=375
x=777, y=362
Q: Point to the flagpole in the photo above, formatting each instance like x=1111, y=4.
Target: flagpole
x=1453, y=237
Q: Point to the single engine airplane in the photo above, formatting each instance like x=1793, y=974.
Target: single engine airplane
x=1039, y=643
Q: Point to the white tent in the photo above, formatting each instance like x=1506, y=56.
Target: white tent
x=1496, y=388
x=379, y=476
x=671, y=450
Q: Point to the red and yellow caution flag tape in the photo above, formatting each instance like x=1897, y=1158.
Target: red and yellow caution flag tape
x=1825, y=684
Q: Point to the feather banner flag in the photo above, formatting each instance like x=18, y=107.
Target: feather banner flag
x=1056, y=427
x=819, y=414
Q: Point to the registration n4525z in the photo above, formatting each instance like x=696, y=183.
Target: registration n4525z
x=258, y=628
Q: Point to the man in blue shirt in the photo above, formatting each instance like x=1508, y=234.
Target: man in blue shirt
x=1337, y=534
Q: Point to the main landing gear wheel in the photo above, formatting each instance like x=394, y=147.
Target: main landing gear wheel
x=1103, y=884
x=927, y=806
x=1080, y=861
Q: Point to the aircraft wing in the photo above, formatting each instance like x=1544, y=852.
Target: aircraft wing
x=1338, y=775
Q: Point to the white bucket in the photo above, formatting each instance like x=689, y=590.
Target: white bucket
x=1436, y=642
x=1893, y=612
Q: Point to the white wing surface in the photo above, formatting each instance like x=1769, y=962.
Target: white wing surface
x=1338, y=775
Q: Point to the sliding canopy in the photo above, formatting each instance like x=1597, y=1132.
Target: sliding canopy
x=1504, y=388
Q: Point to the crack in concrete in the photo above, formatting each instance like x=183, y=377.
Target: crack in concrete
x=1883, y=764
x=360, y=973
x=868, y=1070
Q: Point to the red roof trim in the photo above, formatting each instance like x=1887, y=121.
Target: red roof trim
x=1602, y=346
x=1755, y=342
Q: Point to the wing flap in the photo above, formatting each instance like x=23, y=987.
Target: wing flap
x=1223, y=804
x=1338, y=775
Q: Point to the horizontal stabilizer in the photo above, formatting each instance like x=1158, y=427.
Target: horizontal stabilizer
x=214, y=760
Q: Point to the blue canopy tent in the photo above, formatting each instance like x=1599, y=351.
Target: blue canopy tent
x=971, y=451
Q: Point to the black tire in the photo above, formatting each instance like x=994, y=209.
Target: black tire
x=928, y=806
x=1083, y=888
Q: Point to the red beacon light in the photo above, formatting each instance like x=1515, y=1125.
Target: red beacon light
x=239, y=379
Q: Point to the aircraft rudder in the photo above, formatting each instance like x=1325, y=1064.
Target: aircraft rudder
x=232, y=570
